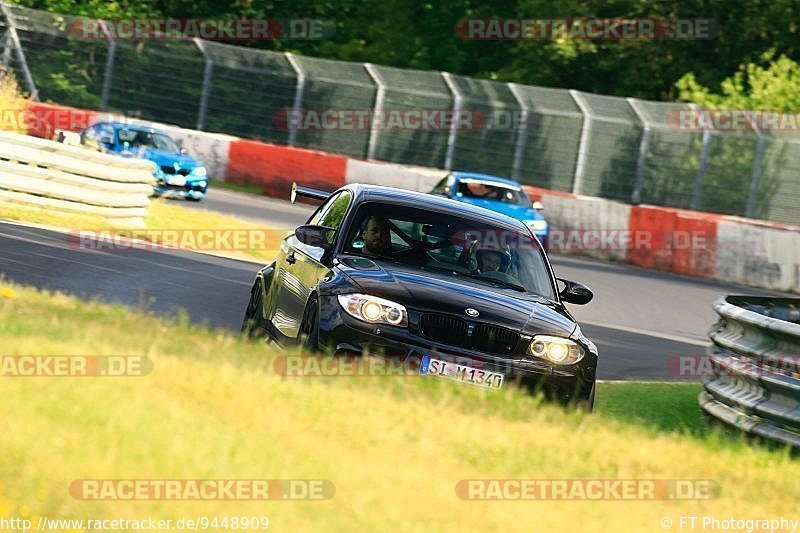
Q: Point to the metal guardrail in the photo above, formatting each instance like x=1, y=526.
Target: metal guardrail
x=55, y=176
x=756, y=364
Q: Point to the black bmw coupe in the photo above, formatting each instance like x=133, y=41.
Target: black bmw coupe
x=396, y=273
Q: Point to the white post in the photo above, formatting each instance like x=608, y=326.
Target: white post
x=207, y=73
x=298, y=92
x=583, y=146
x=522, y=132
x=458, y=102
x=112, y=51
x=644, y=147
x=12, y=32
x=380, y=97
x=755, y=176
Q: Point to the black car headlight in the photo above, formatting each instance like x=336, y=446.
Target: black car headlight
x=374, y=310
x=556, y=350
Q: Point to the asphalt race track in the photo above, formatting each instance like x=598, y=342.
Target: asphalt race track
x=639, y=318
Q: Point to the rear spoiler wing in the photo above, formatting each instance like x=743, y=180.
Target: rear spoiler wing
x=308, y=192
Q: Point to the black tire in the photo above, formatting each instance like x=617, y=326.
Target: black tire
x=588, y=404
x=309, y=327
x=253, y=325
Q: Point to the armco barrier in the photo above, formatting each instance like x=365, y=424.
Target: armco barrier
x=49, y=174
x=756, y=363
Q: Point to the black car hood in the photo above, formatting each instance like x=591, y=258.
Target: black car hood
x=431, y=290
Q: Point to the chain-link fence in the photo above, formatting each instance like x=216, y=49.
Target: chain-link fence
x=619, y=148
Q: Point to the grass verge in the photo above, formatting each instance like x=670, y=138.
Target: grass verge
x=238, y=187
x=394, y=447
x=163, y=214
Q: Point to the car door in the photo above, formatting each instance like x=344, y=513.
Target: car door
x=300, y=267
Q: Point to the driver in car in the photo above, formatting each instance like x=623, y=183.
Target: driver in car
x=491, y=261
x=377, y=240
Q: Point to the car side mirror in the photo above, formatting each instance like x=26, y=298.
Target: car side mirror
x=537, y=205
x=313, y=235
x=575, y=293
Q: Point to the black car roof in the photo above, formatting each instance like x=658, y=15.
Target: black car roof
x=404, y=197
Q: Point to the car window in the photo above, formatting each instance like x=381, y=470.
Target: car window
x=140, y=138
x=444, y=186
x=97, y=132
x=332, y=212
x=456, y=246
x=469, y=188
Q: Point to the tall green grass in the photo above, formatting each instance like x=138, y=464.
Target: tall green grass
x=394, y=447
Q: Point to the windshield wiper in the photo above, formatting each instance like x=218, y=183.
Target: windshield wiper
x=509, y=284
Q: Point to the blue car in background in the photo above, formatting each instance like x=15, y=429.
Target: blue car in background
x=177, y=173
x=498, y=194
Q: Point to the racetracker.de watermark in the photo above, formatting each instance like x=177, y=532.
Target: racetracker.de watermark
x=594, y=239
x=122, y=240
x=213, y=29
x=54, y=366
x=201, y=489
x=337, y=366
x=594, y=29
x=383, y=119
x=721, y=365
x=587, y=489
x=732, y=120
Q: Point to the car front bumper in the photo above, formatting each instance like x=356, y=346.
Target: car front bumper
x=189, y=190
x=341, y=334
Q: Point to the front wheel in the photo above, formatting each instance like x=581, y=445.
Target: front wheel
x=309, y=328
x=253, y=325
x=588, y=404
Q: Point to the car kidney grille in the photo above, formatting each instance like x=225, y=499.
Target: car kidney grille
x=494, y=339
x=171, y=170
x=442, y=328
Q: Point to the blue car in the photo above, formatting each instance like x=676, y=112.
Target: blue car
x=498, y=194
x=177, y=173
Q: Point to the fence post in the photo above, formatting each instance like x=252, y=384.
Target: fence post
x=644, y=148
x=697, y=194
x=298, y=93
x=208, y=70
x=7, y=44
x=755, y=179
x=380, y=97
x=522, y=132
x=112, y=52
x=583, y=146
x=12, y=32
x=458, y=102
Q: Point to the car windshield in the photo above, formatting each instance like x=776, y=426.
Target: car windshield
x=489, y=190
x=147, y=139
x=461, y=247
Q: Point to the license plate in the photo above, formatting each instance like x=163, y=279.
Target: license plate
x=178, y=180
x=462, y=373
